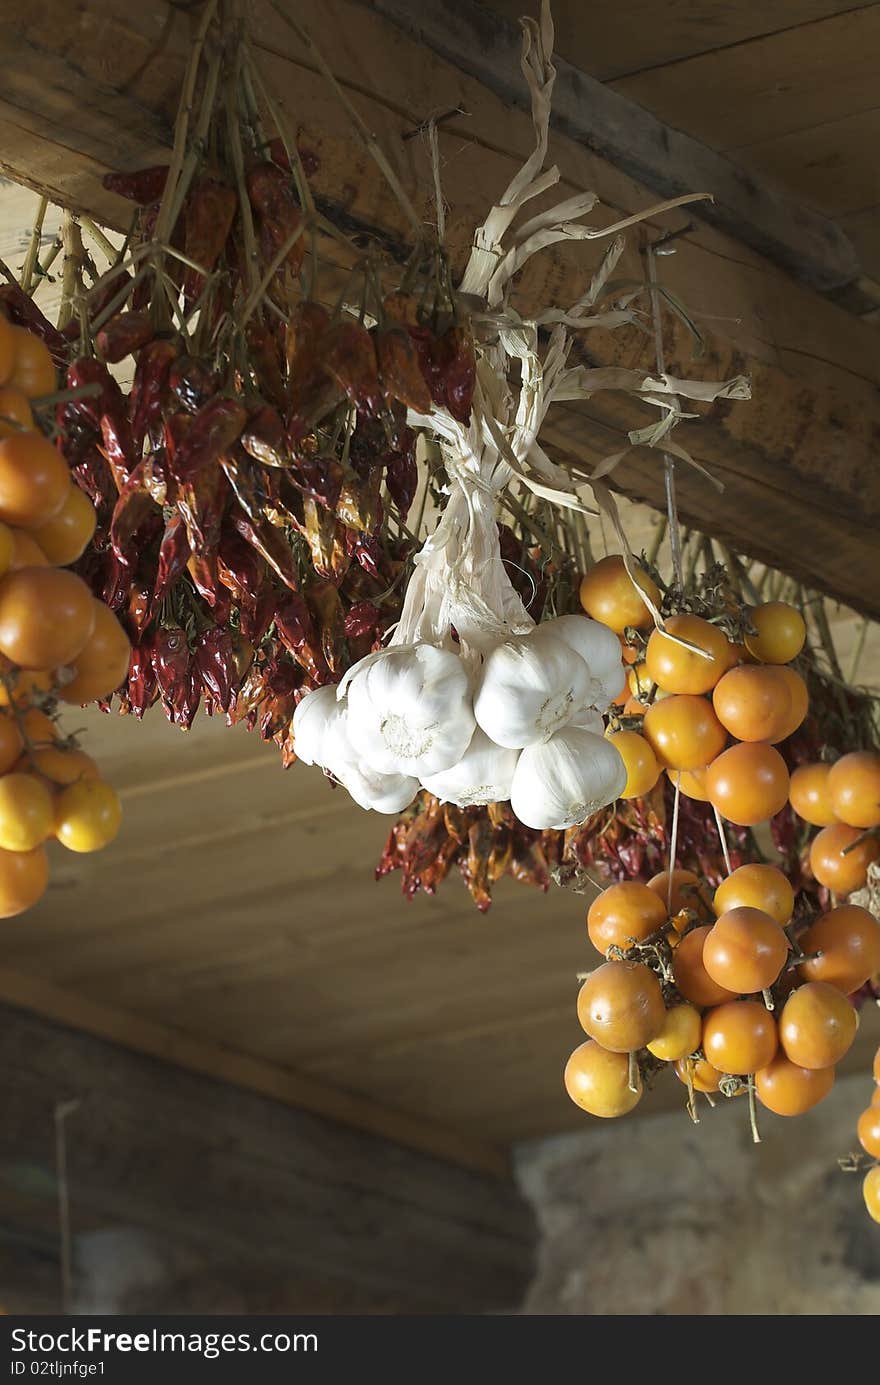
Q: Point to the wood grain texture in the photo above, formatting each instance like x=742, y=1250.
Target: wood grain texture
x=204, y=1163
x=610, y=41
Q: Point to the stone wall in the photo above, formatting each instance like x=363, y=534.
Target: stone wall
x=657, y=1215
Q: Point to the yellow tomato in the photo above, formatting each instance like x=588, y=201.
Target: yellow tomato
x=33, y=371
x=684, y=732
x=26, y=813
x=46, y=616
x=680, y=1035
x=607, y=593
x=102, y=663
x=642, y=770
x=24, y=876
x=34, y=480
x=757, y=887
x=781, y=632
x=598, y=1081
x=88, y=815
x=854, y=788
x=66, y=535
x=678, y=669
x=808, y=795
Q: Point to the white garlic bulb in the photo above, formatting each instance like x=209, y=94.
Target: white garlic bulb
x=409, y=709
x=530, y=686
x=598, y=646
x=313, y=722
x=564, y=780
x=383, y=793
x=484, y=774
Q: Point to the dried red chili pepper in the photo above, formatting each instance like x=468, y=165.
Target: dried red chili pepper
x=270, y=544
x=359, y=505
x=362, y=619
x=201, y=501
x=174, y=552
x=399, y=371
x=273, y=198
x=266, y=356
x=141, y=687
x=92, y=474
x=256, y=616
x=460, y=374
x=139, y=608
x=401, y=474
x=263, y=438
x=207, y=220
x=148, y=391
x=215, y=661
x=326, y=607
x=215, y=427
x=319, y=478
x=175, y=675
x=105, y=396
x=116, y=585
x=133, y=510
x=143, y=185
x=296, y=630
x=124, y=334
x=326, y=538
x=193, y=382
x=240, y=569
x=349, y=356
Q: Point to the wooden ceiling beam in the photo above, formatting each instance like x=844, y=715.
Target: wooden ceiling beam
x=88, y=88
x=487, y=46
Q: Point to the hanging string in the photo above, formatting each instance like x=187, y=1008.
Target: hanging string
x=673, y=841
x=723, y=839
x=668, y=463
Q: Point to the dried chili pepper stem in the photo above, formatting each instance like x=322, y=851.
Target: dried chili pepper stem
x=253, y=301
x=167, y=212
x=27, y=269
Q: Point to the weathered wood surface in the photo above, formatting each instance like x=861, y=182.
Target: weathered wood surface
x=205, y=1165
x=482, y=43
x=802, y=489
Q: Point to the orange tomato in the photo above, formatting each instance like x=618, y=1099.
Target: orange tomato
x=623, y=914
x=7, y=547
x=688, y=891
x=65, y=537
x=102, y=663
x=854, y=788
x=7, y=348
x=26, y=552
x=748, y=783
x=15, y=411
x=59, y=765
x=691, y=782
x=34, y=480
x=809, y=797
x=620, y=1005
x=757, y=887
x=679, y=670
x=684, y=732
x=739, y=1037
x=679, y=1035
x=39, y=729
x=745, y=951
x=868, y=1130
x=33, y=371
x=640, y=685
x=24, y=876
x=781, y=632
x=24, y=684
x=690, y=975
x=46, y=616
x=11, y=743
x=871, y=1192
x=607, y=594
x=838, y=872
x=788, y=1090
x=848, y=942
x=642, y=770
x=88, y=815
x=817, y=1025
x=598, y=1081
x=26, y=812
x=753, y=703
x=704, y=1078
x=800, y=699
x=876, y=1067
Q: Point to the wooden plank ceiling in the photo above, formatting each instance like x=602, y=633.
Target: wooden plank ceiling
x=237, y=908
x=787, y=91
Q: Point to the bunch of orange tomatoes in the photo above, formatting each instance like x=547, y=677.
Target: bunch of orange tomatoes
x=868, y=1130
x=730, y=988
x=57, y=642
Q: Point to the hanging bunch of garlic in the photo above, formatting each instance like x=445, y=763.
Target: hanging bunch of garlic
x=472, y=700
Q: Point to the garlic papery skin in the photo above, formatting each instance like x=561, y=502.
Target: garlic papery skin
x=530, y=686
x=410, y=709
x=484, y=774
x=599, y=648
x=313, y=722
x=383, y=793
x=589, y=720
x=563, y=781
